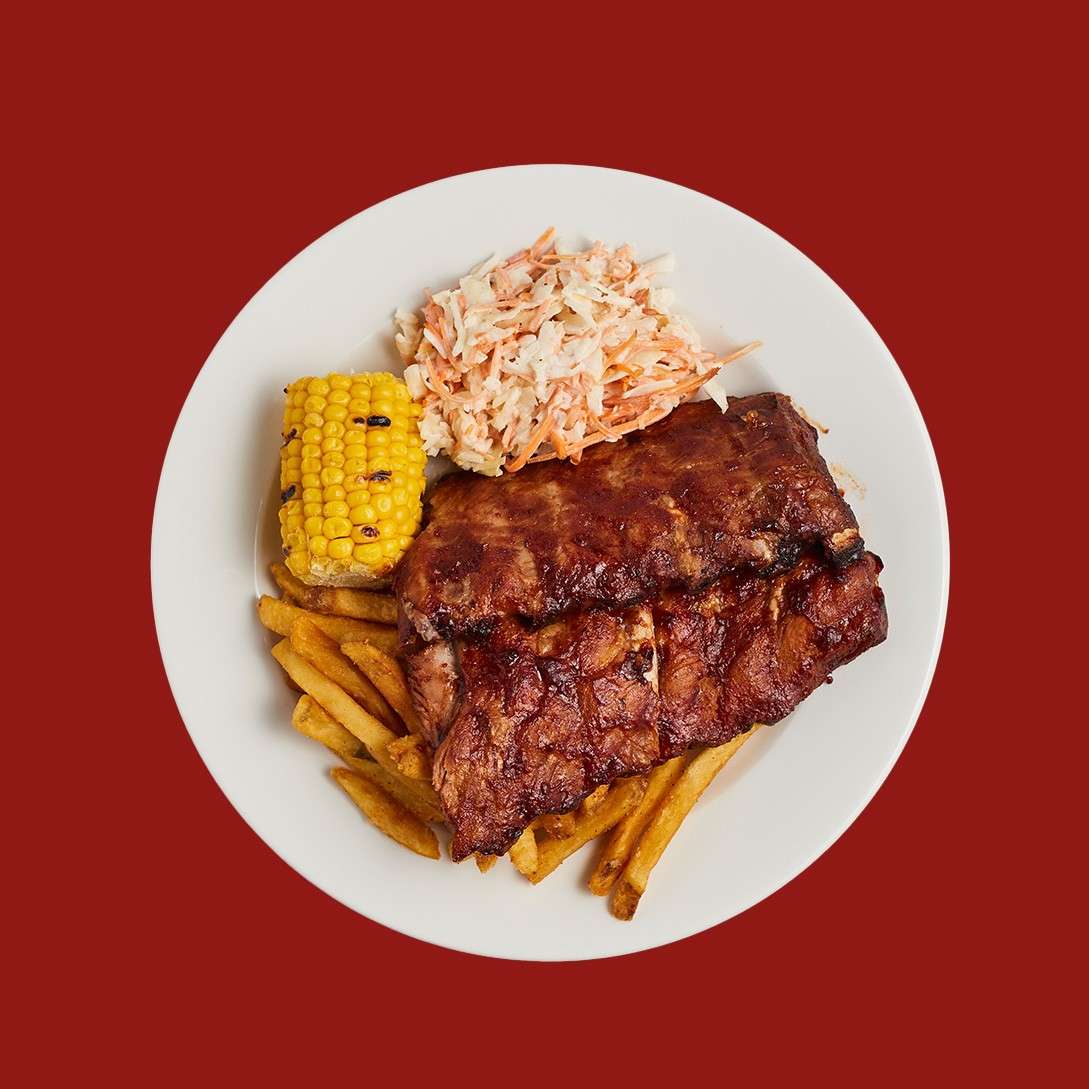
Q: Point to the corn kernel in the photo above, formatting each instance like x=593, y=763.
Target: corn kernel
x=389, y=548
x=331, y=444
x=333, y=491
x=403, y=543
x=311, y=465
x=312, y=435
x=383, y=504
x=314, y=404
x=354, y=466
x=298, y=563
x=297, y=415
x=333, y=429
x=298, y=398
x=340, y=549
x=336, y=527
x=397, y=449
x=317, y=387
x=311, y=495
x=363, y=515
x=332, y=476
x=313, y=419
x=313, y=526
x=311, y=509
x=339, y=396
x=368, y=553
x=336, y=412
x=354, y=437
x=387, y=527
x=311, y=480
x=364, y=534
x=399, y=497
x=335, y=508
x=294, y=521
x=334, y=459
x=339, y=381
x=377, y=438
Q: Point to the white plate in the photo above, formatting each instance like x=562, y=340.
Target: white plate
x=788, y=795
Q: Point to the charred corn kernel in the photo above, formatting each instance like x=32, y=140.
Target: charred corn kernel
x=351, y=477
x=340, y=549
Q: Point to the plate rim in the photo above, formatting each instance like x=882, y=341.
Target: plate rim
x=709, y=918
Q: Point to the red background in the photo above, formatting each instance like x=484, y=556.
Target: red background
x=163, y=170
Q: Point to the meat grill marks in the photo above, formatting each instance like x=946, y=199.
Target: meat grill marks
x=677, y=505
x=533, y=721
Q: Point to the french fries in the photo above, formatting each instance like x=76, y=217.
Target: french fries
x=675, y=806
x=386, y=674
x=622, y=798
x=485, y=862
x=375, y=734
x=524, y=853
x=410, y=756
x=323, y=652
x=386, y=815
x=359, y=604
x=278, y=616
x=625, y=835
x=311, y=720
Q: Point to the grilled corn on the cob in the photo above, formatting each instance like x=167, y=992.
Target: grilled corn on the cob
x=351, y=478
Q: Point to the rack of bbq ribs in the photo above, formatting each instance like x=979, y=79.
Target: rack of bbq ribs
x=568, y=625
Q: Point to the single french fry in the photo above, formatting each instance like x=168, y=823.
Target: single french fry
x=594, y=799
x=557, y=825
x=524, y=853
x=278, y=616
x=311, y=720
x=674, y=807
x=374, y=733
x=619, y=802
x=386, y=674
x=290, y=586
x=410, y=756
x=340, y=601
x=386, y=815
x=618, y=847
x=324, y=653
x=485, y=862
